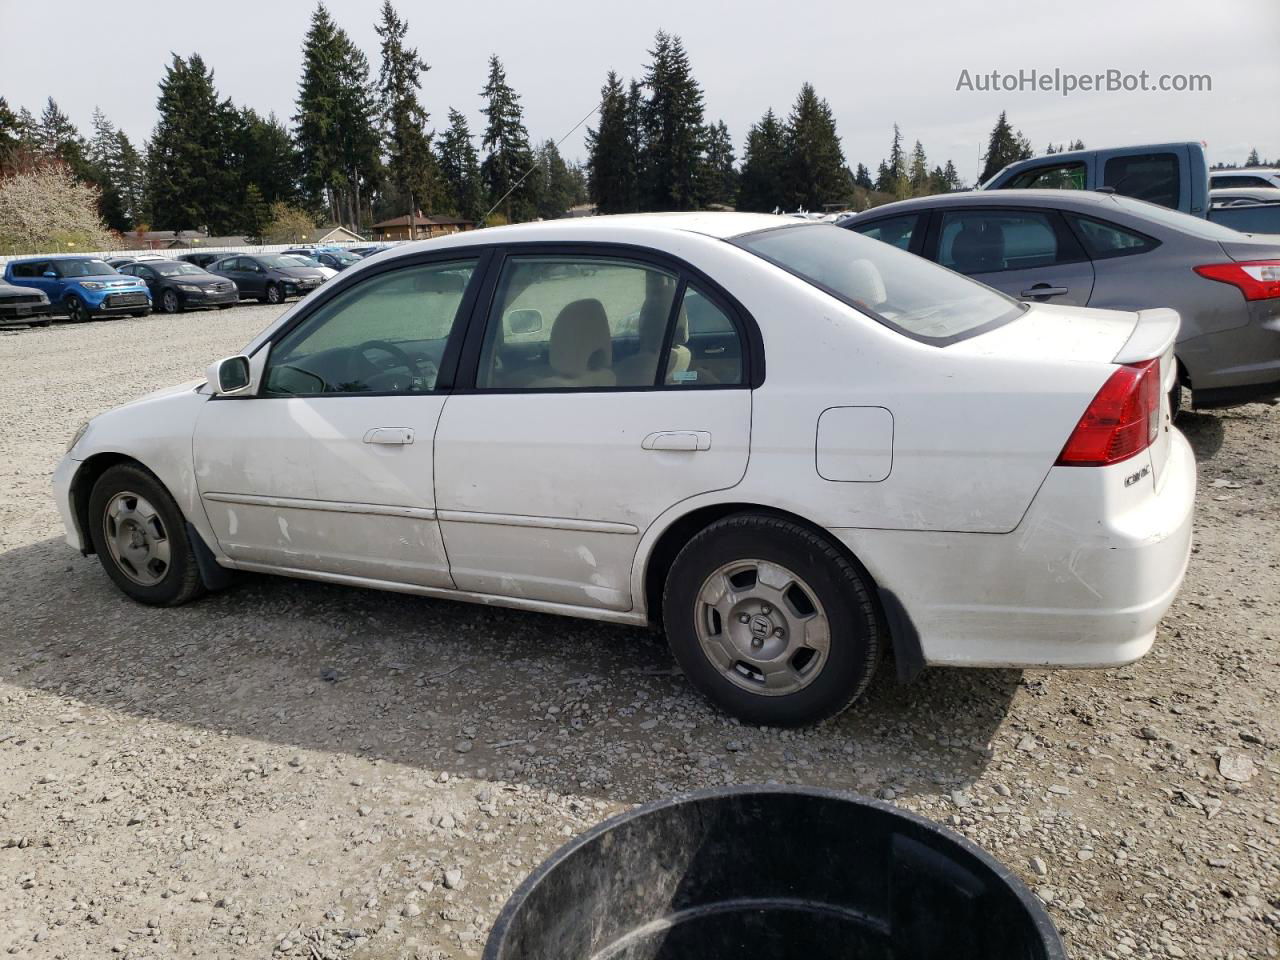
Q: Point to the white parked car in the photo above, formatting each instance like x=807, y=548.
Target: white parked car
x=790, y=446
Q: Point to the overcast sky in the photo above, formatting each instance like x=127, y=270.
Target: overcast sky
x=875, y=63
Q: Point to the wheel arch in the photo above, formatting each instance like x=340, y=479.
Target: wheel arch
x=82, y=486
x=685, y=527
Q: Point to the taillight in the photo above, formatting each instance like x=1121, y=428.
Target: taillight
x=1257, y=279
x=1122, y=420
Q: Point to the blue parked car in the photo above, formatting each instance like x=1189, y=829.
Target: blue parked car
x=81, y=287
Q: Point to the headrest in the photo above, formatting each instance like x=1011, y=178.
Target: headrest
x=863, y=283
x=580, y=339
x=976, y=249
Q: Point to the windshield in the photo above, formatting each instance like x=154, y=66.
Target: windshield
x=85, y=268
x=1185, y=222
x=280, y=260
x=174, y=269
x=345, y=258
x=900, y=290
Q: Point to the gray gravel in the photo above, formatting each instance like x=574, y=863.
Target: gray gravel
x=312, y=771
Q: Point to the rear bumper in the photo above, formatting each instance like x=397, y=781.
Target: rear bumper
x=1236, y=366
x=1082, y=582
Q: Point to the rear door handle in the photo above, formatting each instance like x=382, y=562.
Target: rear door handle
x=1044, y=290
x=689, y=441
x=390, y=435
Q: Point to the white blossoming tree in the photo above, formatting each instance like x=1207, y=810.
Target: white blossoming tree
x=48, y=210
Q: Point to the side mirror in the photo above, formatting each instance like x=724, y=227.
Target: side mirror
x=524, y=321
x=51, y=275
x=229, y=376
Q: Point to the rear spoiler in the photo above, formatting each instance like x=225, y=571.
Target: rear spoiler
x=1154, y=333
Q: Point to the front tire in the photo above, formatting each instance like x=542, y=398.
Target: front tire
x=140, y=537
x=771, y=621
x=76, y=311
x=169, y=302
x=275, y=295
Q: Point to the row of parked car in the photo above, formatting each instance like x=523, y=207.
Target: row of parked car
x=35, y=289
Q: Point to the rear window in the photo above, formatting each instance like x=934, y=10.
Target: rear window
x=1175, y=219
x=1153, y=177
x=911, y=295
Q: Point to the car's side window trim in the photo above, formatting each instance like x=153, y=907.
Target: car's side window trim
x=453, y=345
x=744, y=324
x=1054, y=218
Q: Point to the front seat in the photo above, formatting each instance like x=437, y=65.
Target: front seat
x=581, y=348
x=978, y=249
x=640, y=369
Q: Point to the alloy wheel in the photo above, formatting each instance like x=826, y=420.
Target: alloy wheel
x=762, y=627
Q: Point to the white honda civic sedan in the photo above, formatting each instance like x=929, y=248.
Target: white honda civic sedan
x=789, y=446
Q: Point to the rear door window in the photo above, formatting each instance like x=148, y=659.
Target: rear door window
x=1105, y=240
x=1154, y=177
x=989, y=241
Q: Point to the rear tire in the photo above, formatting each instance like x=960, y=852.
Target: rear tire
x=771, y=621
x=140, y=537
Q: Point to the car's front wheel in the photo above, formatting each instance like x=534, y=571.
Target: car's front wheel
x=274, y=293
x=141, y=539
x=76, y=311
x=771, y=621
x=169, y=302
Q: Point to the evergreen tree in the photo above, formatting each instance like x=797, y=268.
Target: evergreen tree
x=611, y=152
x=11, y=136
x=336, y=128
x=718, y=180
x=672, y=128
x=103, y=155
x=1004, y=146
x=555, y=187
x=509, y=156
x=814, y=172
x=1076, y=145
x=410, y=161
x=190, y=173
x=132, y=180
x=919, y=171
x=893, y=172
x=257, y=213
x=760, y=183
x=268, y=156
x=862, y=178
x=578, y=177
x=1252, y=160
x=460, y=170
x=950, y=178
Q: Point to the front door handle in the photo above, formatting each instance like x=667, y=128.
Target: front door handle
x=390, y=435
x=1044, y=290
x=689, y=441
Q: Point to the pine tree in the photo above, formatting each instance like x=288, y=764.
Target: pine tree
x=336, y=127
x=410, y=161
x=268, y=156
x=893, y=172
x=950, y=177
x=718, y=180
x=555, y=187
x=919, y=171
x=257, y=213
x=1004, y=146
x=190, y=174
x=460, y=170
x=814, y=172
x=11, y=135
x=760, y=183
x=862, y=178
x=509, y=155
x=132, y=180
x=102, y=153
x=672, y=126
x=1076, y=145
x=1252, y=160
x=611, y=152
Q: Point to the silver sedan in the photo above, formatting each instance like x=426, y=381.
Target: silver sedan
x=1102, y=250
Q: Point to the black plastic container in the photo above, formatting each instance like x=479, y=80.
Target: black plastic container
x=774, y=873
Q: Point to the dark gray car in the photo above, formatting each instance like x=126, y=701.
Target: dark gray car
x=1102, y=250
x=270, y=277
x=23, y=305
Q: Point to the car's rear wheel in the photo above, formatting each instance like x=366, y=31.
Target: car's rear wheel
x=274, y=293
x=140, y=537
x=76, y=311
x=169, y=302
x=771, y=621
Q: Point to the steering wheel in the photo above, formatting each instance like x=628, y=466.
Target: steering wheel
x=402, y=359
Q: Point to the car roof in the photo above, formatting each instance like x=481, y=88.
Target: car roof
x=1071, y=199
x=57, y=256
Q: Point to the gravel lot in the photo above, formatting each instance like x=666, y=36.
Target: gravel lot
x=318, y=771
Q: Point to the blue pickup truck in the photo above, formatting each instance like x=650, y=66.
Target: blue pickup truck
x=1174, y=175
x=81, y=287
